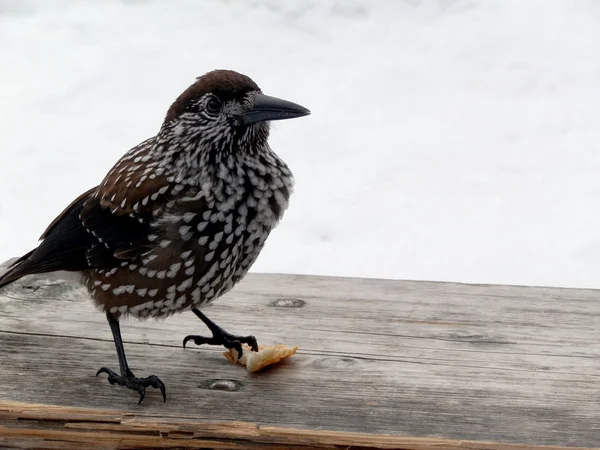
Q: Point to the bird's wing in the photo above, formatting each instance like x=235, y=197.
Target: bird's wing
x=63, y=246
x=53, y=224
x=120, y=213
x=102, y=227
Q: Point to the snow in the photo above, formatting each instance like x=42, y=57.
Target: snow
x=450, y=140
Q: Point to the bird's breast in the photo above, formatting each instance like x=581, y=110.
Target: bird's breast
x=200, y=247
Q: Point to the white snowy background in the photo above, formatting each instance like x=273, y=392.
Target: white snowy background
x=450, y=139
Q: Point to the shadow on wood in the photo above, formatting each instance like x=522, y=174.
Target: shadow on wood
x=381, y=364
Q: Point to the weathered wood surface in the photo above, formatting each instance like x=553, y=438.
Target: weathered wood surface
x=403, y=364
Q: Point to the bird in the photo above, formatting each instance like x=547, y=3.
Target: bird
x=179, y=219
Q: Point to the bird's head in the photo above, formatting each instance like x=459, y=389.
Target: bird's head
x=224, y=111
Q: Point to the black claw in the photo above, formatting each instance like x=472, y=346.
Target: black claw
x=136, y=384
x=142, y=392
x=253, y=343
x=156, y=383
x=224, y=340
x=220, y=336
x=235, y=345
x=186, y=339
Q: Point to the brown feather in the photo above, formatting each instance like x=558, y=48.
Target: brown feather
x=66, y=210
x=133, y=188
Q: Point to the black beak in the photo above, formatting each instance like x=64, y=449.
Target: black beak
x=272, y=108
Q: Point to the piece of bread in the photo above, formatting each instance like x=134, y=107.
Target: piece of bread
x=265, y=356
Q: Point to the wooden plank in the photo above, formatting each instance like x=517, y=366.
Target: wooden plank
x=434, y=361
x=71, y=427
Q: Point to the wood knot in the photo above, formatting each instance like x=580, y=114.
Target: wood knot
x=287, y=303
x=222, y=385
x=472, y=338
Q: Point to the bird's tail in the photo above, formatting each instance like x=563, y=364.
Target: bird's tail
x=16, y=270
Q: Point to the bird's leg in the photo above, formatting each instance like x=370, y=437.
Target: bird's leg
x=127, y=378
x=220, y=336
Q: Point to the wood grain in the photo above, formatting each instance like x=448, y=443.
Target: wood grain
x=429, y=364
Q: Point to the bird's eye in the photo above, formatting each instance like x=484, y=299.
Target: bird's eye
x=213, y=106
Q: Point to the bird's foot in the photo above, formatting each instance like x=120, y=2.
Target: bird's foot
x=137, y=384
x=222, y=337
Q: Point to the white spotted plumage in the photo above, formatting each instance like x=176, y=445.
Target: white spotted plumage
x=210, y=198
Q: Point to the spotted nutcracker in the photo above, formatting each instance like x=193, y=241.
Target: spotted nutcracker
x=180, y=218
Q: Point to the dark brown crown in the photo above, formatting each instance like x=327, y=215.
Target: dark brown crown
x=225, y=84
